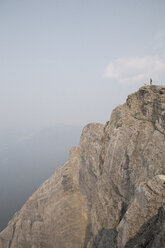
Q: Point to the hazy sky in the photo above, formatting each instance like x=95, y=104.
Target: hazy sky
x=73, y=61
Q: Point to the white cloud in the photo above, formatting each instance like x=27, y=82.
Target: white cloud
x=136, y=69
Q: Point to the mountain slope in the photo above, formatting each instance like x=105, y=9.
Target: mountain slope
x=28, y=161
x=109, y=190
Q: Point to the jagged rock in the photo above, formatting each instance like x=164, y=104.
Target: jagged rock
x=111, y=188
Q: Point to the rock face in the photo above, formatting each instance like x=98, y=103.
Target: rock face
x=110, y=193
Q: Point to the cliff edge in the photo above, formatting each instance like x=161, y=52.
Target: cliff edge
x=111, y=191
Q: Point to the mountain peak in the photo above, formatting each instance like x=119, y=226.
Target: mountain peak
x=110, y=189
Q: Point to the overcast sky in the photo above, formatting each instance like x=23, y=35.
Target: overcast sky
x=73, y=61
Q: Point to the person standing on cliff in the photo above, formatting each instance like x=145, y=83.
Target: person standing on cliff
x=150, y=81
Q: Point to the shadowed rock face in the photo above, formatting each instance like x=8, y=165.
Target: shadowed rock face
x=151, y=233
x=110, y=193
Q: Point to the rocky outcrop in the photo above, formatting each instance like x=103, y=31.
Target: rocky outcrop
x=110, y=193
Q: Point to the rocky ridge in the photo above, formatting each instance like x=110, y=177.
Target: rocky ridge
x=110, y=193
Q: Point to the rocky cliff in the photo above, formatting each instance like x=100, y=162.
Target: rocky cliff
x=110, y=193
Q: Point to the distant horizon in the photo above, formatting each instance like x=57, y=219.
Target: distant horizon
x=39, y=128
